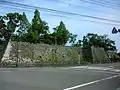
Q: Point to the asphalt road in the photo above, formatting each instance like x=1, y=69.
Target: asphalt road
x=59, y=79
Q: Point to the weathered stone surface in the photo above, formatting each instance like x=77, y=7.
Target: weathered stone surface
x=99, y=55
x=26, y=54
x=41, y=54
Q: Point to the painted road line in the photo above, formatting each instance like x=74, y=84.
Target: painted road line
x=96, y=68
x=102, y=71
x=113, y=66
x=89, y=83
x=107, y=72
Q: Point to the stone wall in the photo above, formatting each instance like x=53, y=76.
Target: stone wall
x=26, y=54
x=2, y=49
x=99, y=55
x=23, y=53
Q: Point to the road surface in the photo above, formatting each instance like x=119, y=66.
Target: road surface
x=94, y=77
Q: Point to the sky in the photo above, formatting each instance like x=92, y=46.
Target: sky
x=75, y=24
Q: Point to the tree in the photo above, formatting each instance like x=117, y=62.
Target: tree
x=23, y=28
x=49, y=38
x=72, y=39
x=32, y=37
x=2, y=30
x=61, y=34
x=98, y=41
x=78, y=44
x=85, y=42
x=2, y=22
x=24, y=25
x=33, y=33
x=39, y=26
x=13, y=21
x=38, y=29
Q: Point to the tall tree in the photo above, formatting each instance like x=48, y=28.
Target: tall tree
x=24, y=25
x=13, y=22
x=22, y=30
x=39, y=26
x=61, y=34
x=2, y=29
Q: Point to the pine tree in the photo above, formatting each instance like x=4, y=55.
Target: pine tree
x=61, y=34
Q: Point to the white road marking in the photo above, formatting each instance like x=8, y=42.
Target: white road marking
x=96, y=68
x=102, y=71
x=114, y=66
x=107, y=72
x=89, y=83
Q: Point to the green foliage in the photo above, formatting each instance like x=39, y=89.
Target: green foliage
x=72, y=38
x=22, y=32
x=61, y=34
x=98, y=41
x=24, y=25
x=38, y=25
x=49, y=38
x=33, y=37
x=78, y=44
x=2, y=26
x=35, y=33
x=10, y=25
x=13, y=20
x=38, y=29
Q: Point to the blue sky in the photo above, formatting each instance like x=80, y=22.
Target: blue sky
x=75, y=24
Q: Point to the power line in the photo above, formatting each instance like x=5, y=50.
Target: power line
x=58, y=11
x=97, y=3
x=87, y=8
x=111, y=3
x=105, y=3
x=20, y=9
x=67, y=17
x=100, y=4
